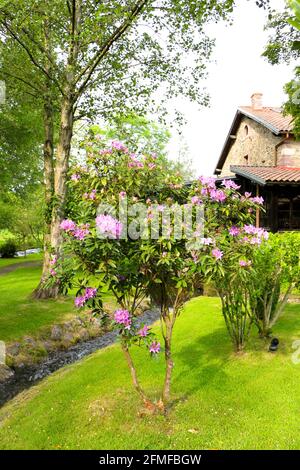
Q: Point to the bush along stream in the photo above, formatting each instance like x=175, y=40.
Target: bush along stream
x=22, y=376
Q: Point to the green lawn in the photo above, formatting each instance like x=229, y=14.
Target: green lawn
x=222, y=401
x=19, y=314
x=20, y=259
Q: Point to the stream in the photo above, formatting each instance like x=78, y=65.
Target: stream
x=27, y=376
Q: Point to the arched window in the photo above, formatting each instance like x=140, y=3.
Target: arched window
x=246, y=130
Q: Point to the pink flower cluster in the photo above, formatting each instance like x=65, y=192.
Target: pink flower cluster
x=245, y=264
x=119, y=146
x=89, y=293
x=217, y=195
x=143, y=332
x=91, y=195
x=208, y=181
x=218, y=254
x=258, y=234
x=79, y=232
x=67, y=225
x=109, y=226
x=122, y=317
x=154, y=347
x=230, y=184
x=53, y=262
x=134, y=162
x=75, y=177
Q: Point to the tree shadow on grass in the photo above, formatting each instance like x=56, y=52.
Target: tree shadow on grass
x=203, y=361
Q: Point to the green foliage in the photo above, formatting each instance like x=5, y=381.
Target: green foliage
x=283, y=47
x=8, y=249
x=275, y=273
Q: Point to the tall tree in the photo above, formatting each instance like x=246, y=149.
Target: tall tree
x=284, y=47
x=111, y=55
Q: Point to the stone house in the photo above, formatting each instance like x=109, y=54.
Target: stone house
x=262, y=154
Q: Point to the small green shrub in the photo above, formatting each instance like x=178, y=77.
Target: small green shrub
x=8, y=249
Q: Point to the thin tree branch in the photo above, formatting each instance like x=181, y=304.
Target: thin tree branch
x=90, y=68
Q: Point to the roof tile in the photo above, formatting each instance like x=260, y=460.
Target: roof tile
x=268, y=174
x=272, y=117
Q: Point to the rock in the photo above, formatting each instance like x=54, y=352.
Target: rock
x=78, y=321
x=69, y=325
x=28, y=341
x=83, y=334
x=56, y=333
x=48, y=345
x=13, y=349
x=5, y=372
x=67, y=340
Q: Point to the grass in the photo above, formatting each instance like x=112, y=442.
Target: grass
x=221, y=400
x=20, y=259
x=19, y=314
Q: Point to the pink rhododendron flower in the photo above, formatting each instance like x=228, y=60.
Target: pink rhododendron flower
x=151, y=166
x=154, y=347
x=218, y=195
x=247, y=195
x=250, y=229
x=208, y=181
x=122, y=194
x=207, y=241
x=53, y=260
x=234, y=231
x=79, y=301
x=108, y=225
x=218, y=254
x=92, y=195
x=67, y=225
x=122, y=317
x=196, y=200
x=258, y=200
x=75, y=177
x=244, y=264
x=90, y=292
x=119, y=146
x=143, y=332
x=53, y=272
x=81, y=232
x=230, y=184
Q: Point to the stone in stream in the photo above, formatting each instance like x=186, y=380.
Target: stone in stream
x=5, y=373
x=56, y=333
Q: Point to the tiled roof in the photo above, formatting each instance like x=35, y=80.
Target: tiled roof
x=270, y=117
x=268, y=174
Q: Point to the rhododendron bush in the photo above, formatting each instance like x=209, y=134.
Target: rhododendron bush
x=135, y=229
x=276, y=272
x=230, y=243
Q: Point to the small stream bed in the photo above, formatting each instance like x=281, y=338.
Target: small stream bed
x=27, y=376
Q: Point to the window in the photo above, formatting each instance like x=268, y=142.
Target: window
x=246, y=159
x=246, y=130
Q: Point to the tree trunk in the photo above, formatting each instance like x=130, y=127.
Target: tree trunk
x=148, y=404
x=41, y=292
x=168, y=358
x=60, y=174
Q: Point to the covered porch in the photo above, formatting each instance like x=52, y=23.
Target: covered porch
x=280, y=188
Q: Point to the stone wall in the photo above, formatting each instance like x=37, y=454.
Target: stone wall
x=288, y=154
x=255, y=142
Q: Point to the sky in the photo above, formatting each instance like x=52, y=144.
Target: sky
x=237, y=72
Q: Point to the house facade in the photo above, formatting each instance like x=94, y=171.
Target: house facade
x=262, y=154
